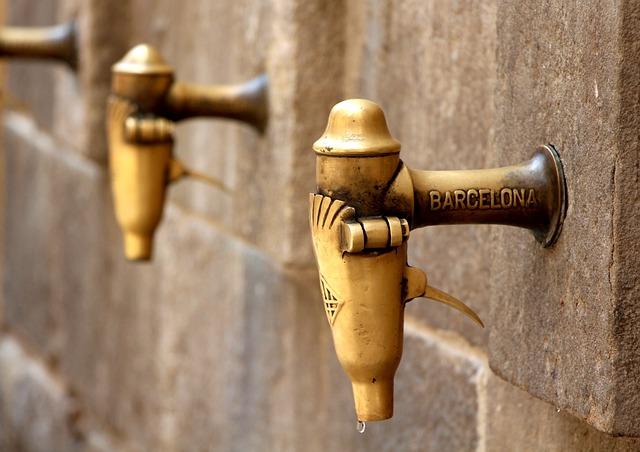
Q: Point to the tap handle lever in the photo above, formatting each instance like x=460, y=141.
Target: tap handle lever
x=178, y=170
x=416, y=286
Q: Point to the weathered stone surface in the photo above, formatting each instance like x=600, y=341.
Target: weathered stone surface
x=241, y=347
x=626, y=231
x=562, y=322
x=36, y=411
x=54, y=236
x=431, y=66
x=59, y=237
x=69, y=291
x=224, y=334
x=517, y=421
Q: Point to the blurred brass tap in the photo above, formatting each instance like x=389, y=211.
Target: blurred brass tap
x=144, y=105
x=58, y=42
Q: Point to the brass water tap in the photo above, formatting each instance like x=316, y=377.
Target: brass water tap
x=361, y=216
x=57, y=42
x=144, y=105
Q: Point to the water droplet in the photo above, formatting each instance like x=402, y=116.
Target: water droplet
x=361, y=426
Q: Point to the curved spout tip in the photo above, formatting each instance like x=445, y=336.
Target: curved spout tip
x=373, y=399
x=137, y=247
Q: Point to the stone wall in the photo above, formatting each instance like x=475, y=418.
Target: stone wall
x=221, y=342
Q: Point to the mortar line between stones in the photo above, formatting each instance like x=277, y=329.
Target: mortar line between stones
x=449, y=341
x=226, y=230
x=93, y=429
x=14, y=106
x=454, y=344
x=32, y=354
x=27, y=129
x=483, y=408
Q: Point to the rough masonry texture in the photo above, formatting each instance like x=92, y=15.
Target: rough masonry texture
x=221, y=343
x=564, y=320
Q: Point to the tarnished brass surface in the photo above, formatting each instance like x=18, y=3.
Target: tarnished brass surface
x=57, y=42
x=144, y=104
x=244, y=102
x=529, y=195
x=360, y=218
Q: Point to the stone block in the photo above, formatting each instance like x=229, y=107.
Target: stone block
x=54, y=222
x=517, y=421
x=561, y=323
x=58, y=232
x=37, y=413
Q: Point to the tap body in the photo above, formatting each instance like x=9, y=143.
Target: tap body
x=144, y=106
x=367, y=201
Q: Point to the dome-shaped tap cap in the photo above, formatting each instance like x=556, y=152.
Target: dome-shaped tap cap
x=358, y=128
x=142, y=59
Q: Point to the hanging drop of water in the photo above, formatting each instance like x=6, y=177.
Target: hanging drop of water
x=361, y=426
